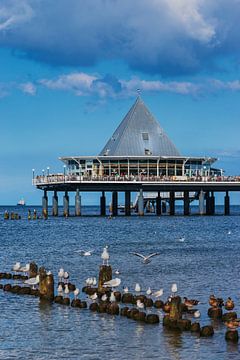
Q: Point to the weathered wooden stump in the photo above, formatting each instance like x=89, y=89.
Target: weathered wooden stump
x=206, y=331
x=113, y=309
x=195, y=327
x=105, y=274
x=83, y=305
x=148, y=302
x=232, y=335
x=127, y=298
x=33, y=271
x=232, y=315
x=175, y=308
x=152, y=319
x=93, y=307
x=7, y=287
x=102, y=307
x=215, y=313
x=58, y=299
x=124, y=311
x=46, y=285
x=158, y=304
x=184, y=324
x=66, y=301
x=118, y=296
x=76, y=303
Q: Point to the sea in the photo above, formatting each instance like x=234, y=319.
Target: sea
x=201, y=254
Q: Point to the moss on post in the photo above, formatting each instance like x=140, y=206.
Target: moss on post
x=105, y=274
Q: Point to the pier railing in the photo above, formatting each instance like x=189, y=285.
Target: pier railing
x=60, y=179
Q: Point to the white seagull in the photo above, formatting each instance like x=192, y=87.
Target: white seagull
x=25, y=268
x=112, y=283
x=94, y=282
x=104, y=297
x=125, y=290
x=197, y=314
x=60, y=288
x=137, y=287
x=174, y=288
x=105, y=256
x=149, y=291
x=146, y=259
x=16, y=267
x=61, y=274
x=33, y=281
x=66, y=276
x=112, y=297
x=76, y=293
x=66, y=290
x=140, y=304
x=93, y=297
x=85, y=253
x=158, y=293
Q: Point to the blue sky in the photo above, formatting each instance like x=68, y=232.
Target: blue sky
x=70, y=70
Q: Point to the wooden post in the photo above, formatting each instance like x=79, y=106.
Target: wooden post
x=46, y=285
x=175, y=308
x=105, y=274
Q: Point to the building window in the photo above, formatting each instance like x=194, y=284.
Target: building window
x=145, y=136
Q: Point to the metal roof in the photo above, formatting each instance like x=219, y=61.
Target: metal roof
x=139, y=134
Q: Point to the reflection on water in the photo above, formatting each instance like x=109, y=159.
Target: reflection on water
x=208, y=261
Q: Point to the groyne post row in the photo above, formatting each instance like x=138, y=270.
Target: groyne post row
x=206, y=201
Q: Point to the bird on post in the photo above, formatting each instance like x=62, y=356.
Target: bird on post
x=174, y=289
x=105, y=255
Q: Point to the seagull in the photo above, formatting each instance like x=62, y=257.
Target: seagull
x=89, y=281
x=112, y=297
x=112, y=283
x=66, y=276
x=197, y=314
x=174, y=288
x=66, y=290
x=94, y=282
x=93, y=297
x=229, y=232
x=76, y=293
x=85, y=253
x=149, y=291
x=105, y=255
x=158, y=293
x=16, y=267
x=182, y=239
x=25, y=268
x=146, y=259
x=125, y=290
x=140, y=304
x=61, y=274
x=104, y=297
x=60, y=288
x=117, y=272
x=33, y=281
x=137, y=287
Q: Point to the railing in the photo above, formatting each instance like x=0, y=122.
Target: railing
x=59, y=179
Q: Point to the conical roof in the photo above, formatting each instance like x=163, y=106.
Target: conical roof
x=139, y=134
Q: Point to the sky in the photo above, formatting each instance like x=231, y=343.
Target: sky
x=70, y=70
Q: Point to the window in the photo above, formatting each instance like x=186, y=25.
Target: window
x=145, y=136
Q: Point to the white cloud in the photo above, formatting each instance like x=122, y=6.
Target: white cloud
x=28, y=88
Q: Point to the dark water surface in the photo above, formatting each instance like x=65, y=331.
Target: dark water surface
x=208, y=261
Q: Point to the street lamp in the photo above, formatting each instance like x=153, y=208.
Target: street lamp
x=33, y=172
x=48, y=168
x=43, y=172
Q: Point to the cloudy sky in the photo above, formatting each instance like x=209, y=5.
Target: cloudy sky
x=70, y=70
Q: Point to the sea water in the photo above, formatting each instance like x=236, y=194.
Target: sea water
x=206, y=262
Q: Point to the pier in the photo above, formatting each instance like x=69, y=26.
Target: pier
x=139, y=158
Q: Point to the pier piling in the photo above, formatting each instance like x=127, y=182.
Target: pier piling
x=127, y=203
x=77, y=203
x=201, y=202
x=227, y=204
x=45, y=204
x=114, y=203
x=103, y=204
x=172, y=203
x=66, y=204
x=140, y=203
x=186, y=209
x=55, y=204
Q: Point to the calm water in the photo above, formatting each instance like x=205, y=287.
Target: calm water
x=208, y=261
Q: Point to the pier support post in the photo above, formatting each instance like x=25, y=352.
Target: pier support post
x=208, y=205
x=77, y=203
x=55, y=204
x=201, y=202
x=127, y=203
x=212, y=203
x=186, y=203
x=140, y=203
x=227, y=204
x=66, y=204
x=114, y=203
x=45, y=204
x=158, y=204
x=103, y=204
x=172, y=203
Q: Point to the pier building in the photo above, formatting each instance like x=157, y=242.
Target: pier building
x=139, y=157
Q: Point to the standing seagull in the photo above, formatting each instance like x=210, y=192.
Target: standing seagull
x=174, y=289
x=146, y=259
x=105, y=256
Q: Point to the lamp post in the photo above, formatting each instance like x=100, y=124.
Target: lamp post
x=48, y=168
x=43, y=172
x=33, y=173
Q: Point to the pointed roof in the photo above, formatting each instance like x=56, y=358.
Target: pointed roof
x=139, y=134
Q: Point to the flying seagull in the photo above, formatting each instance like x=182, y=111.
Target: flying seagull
x=85, y=253
x=146, y=259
